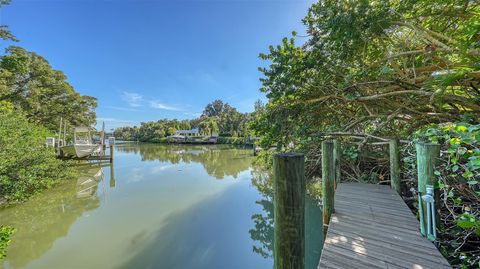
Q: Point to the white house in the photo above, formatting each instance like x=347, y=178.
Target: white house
x=187, y=133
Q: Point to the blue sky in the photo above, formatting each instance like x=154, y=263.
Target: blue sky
x=147, y=60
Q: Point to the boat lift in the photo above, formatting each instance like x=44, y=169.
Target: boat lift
x=98, y=154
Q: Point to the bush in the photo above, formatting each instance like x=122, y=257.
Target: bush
x=158, y=140
x=5, y=233
x=26, y=165
x=231, y=140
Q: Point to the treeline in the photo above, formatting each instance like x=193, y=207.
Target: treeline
x=42, y=93
x=218, y=118
x=406, y=69
x=33, y=98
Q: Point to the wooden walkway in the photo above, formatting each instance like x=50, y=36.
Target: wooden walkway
x=373, y=228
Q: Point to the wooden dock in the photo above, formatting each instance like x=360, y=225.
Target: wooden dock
x=372, y=227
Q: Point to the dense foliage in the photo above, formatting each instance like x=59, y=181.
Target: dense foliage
x=26, y=165
x=28, y=81
x=382, y=67
x=372, y=68
x=152, y=131
x=459, y=176
x=218, y=118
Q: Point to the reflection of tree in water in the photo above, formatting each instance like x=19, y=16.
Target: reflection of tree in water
x=263, y=232
x=218, y=160
x=44, y=219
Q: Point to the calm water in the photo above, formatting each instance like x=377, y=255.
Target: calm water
x=161, y=206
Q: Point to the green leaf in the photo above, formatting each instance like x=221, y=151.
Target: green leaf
x=462, y=150
x=467, y=221
x=461, y=128
x=467, y=174
x=455, y=141
x=455, y=168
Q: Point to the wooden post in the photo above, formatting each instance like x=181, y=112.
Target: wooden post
x=289, y=215
x=59, y=133
x=111, y=153
x=336, y=157
x=65, y=133
x=427, y=158
x=395, y=181
x=328, y=179
x=103, y=135
x=112, y=176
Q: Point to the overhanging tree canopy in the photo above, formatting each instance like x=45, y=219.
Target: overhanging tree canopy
x=380, y=67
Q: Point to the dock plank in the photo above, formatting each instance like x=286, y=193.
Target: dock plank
x=373, y=228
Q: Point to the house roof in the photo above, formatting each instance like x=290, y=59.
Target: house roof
x=195, y=130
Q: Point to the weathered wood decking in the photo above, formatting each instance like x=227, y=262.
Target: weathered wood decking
x=373, y=228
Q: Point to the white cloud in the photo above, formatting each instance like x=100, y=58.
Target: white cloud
x=112, y=123
x=133, y=99
x=122, y=108
x=158, y=105
x=160, y=168
x=114, y=120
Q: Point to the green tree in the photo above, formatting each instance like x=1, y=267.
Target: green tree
x=217, y=118
x=28, y=81
x=382, y=67
x=209, y=126
x=5, y=33
x=26, y=165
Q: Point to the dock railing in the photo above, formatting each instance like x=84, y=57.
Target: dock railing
x=289, y=187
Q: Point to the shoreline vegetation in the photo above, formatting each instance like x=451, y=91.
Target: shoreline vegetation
x=221, y=140
x=33, y=98
x=218, y=119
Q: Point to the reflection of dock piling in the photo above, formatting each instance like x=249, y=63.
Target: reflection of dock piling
x=111, y=153
x=112, y=176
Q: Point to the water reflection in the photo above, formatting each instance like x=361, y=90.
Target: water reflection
x=201, y=238
x=48, y=217
x=263, y=232
x=218, y=161
x=87, y=183
x=164, y=209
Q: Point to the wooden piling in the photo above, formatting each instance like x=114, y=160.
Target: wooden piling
x=427, y=158
x=289, y=198
x=112, y=175
x=395, y=181
x=336, y=157
x=111, y=154
x=328, y=179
